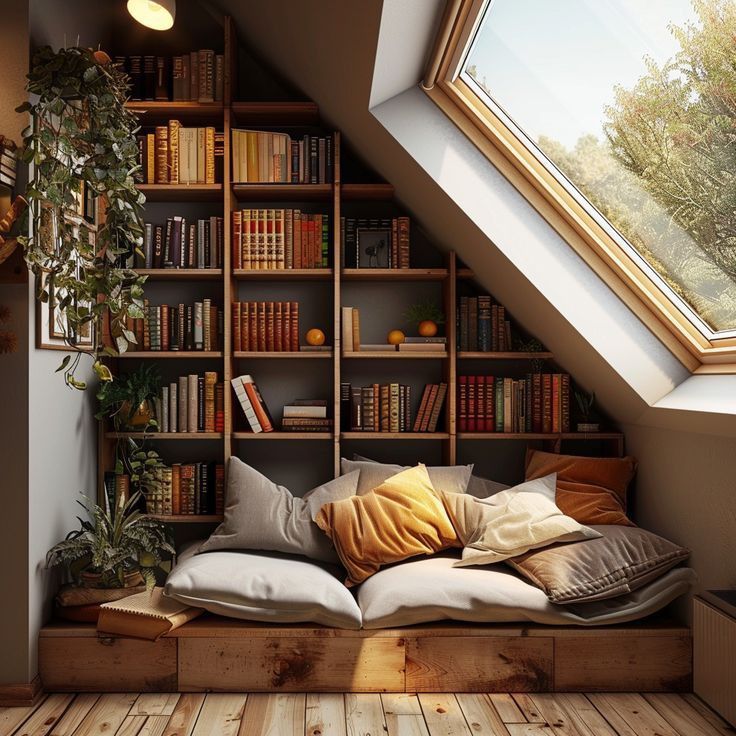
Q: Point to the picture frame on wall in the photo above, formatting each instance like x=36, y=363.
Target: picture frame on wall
x=374, y=248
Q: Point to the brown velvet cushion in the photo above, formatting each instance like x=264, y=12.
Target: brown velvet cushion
x=623, y=559
x=401, y=518
x=592, y=490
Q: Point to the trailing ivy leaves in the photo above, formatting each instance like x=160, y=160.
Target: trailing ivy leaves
x=83, y=136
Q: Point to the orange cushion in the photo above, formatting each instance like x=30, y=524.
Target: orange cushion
x=592, y=490
x=401, y=518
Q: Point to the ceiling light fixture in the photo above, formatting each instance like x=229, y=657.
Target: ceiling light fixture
x=156, y=14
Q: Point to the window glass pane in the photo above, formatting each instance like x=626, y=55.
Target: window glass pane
x=635, y=103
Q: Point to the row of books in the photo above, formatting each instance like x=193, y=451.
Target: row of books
x=375, y=243
x=266, y=326
x=280, y=239
x=187, y=488
x=172, y=154
x=182, y=244
x=264, y=156
x=192, y=404
x=482, y=325
x=539, y=402
x=254, y=407
x=190, y=327
x=375, y=408
x=8, y=161
x=197, y=76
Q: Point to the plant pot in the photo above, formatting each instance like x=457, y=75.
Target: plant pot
x=94, y=580
x=139, y=419
x=588, y=427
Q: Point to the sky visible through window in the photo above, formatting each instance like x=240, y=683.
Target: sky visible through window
x=632, y=112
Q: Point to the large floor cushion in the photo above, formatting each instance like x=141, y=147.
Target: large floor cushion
x=271, y=587
x=431, y=589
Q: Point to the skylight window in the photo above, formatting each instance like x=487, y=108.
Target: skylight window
x=632, y=107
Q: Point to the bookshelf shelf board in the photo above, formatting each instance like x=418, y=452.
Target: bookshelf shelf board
x=172, y=354
x=282, y=192
x=394, y=274
x=282, y=436
x=285, y=274
x=181, y=274
x=395, y=436
x=511, y=355
x=465, y=273
x=165, y=435
x=272, y=113
x=379, y=191
x=181, y=192
x=539, y=436
x=396, y=355
x=187, y=518
x=294, y=354
x=159, y=111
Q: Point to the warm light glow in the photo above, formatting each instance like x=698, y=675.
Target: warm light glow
x=158, y=15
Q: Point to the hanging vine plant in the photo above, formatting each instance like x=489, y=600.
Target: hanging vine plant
x=81, y=142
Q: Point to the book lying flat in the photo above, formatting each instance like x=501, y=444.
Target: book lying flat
x=146, y=615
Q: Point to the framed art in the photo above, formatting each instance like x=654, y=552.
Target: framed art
x=374, y=248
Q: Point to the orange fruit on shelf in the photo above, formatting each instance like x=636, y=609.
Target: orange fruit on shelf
x=395, y=337
x=315, y=337
x=427, y=328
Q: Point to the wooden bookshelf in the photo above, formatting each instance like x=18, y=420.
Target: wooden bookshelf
x=336, y=198
x=189, y=518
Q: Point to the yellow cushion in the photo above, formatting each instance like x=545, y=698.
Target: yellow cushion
x=401, y=518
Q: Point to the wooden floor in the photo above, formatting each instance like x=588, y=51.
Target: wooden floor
x=600, y=714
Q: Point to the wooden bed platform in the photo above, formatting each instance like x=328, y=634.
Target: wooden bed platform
x=219, y=654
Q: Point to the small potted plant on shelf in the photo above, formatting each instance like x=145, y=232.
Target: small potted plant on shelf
x=129, y=400
x=585, y=402
x=425, y=317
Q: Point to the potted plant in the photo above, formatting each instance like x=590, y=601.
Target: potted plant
x=113, y=550
x=82, y=145
x=425, y=317
x=585, y=404
x=129, y=400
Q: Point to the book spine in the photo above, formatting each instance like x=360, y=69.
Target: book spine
x=192, y=406
x=161, y=144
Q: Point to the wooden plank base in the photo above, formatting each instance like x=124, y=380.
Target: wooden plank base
x=218, y=654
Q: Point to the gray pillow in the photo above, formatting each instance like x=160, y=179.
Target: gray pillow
x=621, y=560
x=450, y=478
x=261, y=515
x=477, y=486
x=263, y=587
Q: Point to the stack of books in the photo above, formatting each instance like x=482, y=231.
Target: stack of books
x=433, y=399
x=482, y=325
x=267, y=157
x=193, y=403
x=166, y=327
x=375, y=408
x=172, y=154
x=266, y=326
x=306, y=415
x=375, y=243
x=423, y=345
x=8, y=161
x=539, y=402
x=181, y=244
x=252, y=403
x=196, y=77
x=279, y=239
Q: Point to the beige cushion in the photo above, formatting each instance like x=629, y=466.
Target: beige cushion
x=621, y=560
x=511, y=522
x=263, y=587
x=261, y=515
x=450, y=478
x=431, y=589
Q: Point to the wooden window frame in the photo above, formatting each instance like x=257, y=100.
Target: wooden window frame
x=552, y=200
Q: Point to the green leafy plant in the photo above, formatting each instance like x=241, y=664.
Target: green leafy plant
x=113, y=545
x=423, y=312
x=139, y=464
x=121, y=398
x=585, y=402
x=82, y=138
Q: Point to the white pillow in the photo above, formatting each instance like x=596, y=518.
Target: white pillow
x=262, y=515
x=263, y=587
x=519, y=519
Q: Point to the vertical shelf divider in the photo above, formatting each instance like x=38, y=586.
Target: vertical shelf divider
x=336, y=304
x=450, y=297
